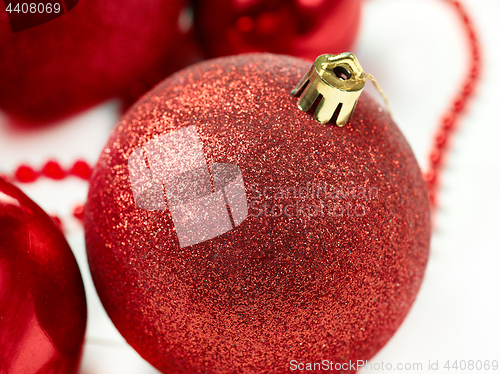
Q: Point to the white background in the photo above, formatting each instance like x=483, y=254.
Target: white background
x=417, y=51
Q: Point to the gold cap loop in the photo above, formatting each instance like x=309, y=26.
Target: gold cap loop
x=337, y=81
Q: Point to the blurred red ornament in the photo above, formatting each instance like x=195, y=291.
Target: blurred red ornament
x=317, y=249
x=98, y=50
x=302, y=28
x=43, y=311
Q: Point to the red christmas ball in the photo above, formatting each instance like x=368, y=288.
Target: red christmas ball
x=228, y=231
x=43, y=311
x=97, y=50
x=302, y=28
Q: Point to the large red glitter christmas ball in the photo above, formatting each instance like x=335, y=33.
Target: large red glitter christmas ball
x=303, y=28
x=97, y=50
x=229, y=232
x=43, y=311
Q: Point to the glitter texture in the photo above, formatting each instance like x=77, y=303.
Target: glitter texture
x=328, y=260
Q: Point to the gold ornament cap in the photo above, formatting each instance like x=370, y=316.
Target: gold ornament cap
x=336, y=81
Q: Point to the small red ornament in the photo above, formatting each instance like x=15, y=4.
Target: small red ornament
x=43, y=310
x=302, y=28
x=98, y=50
x=229, y=231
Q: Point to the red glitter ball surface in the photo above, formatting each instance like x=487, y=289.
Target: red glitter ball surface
x=43, y=311
x=325, y=265
x=98, y=50
x=302, y=28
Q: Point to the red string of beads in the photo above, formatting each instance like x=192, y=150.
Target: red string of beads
x=448, y=124
x=78, y=210
x=53, y=170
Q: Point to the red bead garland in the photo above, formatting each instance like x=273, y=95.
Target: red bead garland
x=81, y=169
x=51, y=169
x=78, y=210
x=26, y=174
x=448, y=124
